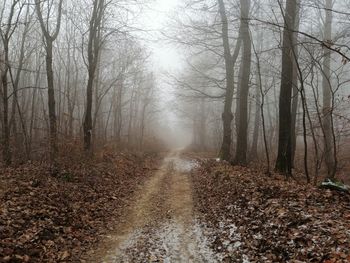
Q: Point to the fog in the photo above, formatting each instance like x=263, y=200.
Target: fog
x=166, y=58
x=174, y=130
x=245, y=80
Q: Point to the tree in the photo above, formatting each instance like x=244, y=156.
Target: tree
x=258, y=99
x=49, y=38
x=284, y=155
x=242, y=135
x=6, y=35
x=227, y=116
x=92, y=54
x=295, y=92
x=327, y=106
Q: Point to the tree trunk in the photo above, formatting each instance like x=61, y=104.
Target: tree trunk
x=93, y=54
x=6, y=151
x=118, y=122
x=284, y=155
x=227, y=117
x=49, y=39
x=15, y=102
x=51, y=102
x=88, y=115
x=327, y=93
x=142, y=124
x=257, y=122
x=295, y=92
x=202, y=126
x=6, y=32
x=131, y=115
x=242, y=136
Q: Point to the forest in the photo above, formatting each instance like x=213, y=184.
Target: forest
x=175, y=131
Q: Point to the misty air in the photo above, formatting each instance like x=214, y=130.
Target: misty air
x=174, y=131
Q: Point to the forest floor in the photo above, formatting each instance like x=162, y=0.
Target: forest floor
x=160, y=225
x=256, y=218
x=45, y=218
x=182, y=209
x=209, y=211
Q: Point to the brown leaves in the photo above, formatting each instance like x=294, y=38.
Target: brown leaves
x=52, y=219
x=276, y=220
x=16, y=258
x=64, y=255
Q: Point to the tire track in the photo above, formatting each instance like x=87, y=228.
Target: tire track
x=160, y=225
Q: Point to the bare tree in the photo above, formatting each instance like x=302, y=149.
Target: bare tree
x=327, y=106
x=284, y=156
x=49, y=38
x=6, y=34
x=227, y=116
x=92, y=54
x=242, y=136
x=295, y=92
x=258, y=99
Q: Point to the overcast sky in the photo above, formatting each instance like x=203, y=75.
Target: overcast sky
x=154, y=19
x=166, y=58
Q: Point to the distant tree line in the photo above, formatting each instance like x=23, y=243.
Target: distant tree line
x=72, y=72
x=277, y=75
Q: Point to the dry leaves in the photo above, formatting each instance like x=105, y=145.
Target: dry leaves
x=275, y=220
x=56, y=219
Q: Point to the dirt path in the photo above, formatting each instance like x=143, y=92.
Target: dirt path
x=160, y=225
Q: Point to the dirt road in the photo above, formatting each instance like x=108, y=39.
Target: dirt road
x=160, y=225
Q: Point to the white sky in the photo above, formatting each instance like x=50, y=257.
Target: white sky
x=166, y=58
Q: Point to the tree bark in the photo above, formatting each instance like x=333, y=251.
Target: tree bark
x=118, y=122
x=6, y=151
x=93, y=53
x=49, y=39
x=284, y=155
x=227, y=116
x=242, y=136
x=51, y=102
x=295, y=91
x=15, y=84
x=257, y=123
x=4, y=70
x=327, y=93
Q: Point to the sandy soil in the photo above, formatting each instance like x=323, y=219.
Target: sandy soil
x=160, y=225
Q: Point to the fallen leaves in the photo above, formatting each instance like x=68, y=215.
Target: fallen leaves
x=57, y=219
x=276, y=220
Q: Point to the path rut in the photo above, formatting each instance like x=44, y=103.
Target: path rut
x=160, y=225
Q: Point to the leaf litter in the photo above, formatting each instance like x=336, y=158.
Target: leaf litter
x=255, y=218
x=57, y=219
x=122, y=209
x=168, y=230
